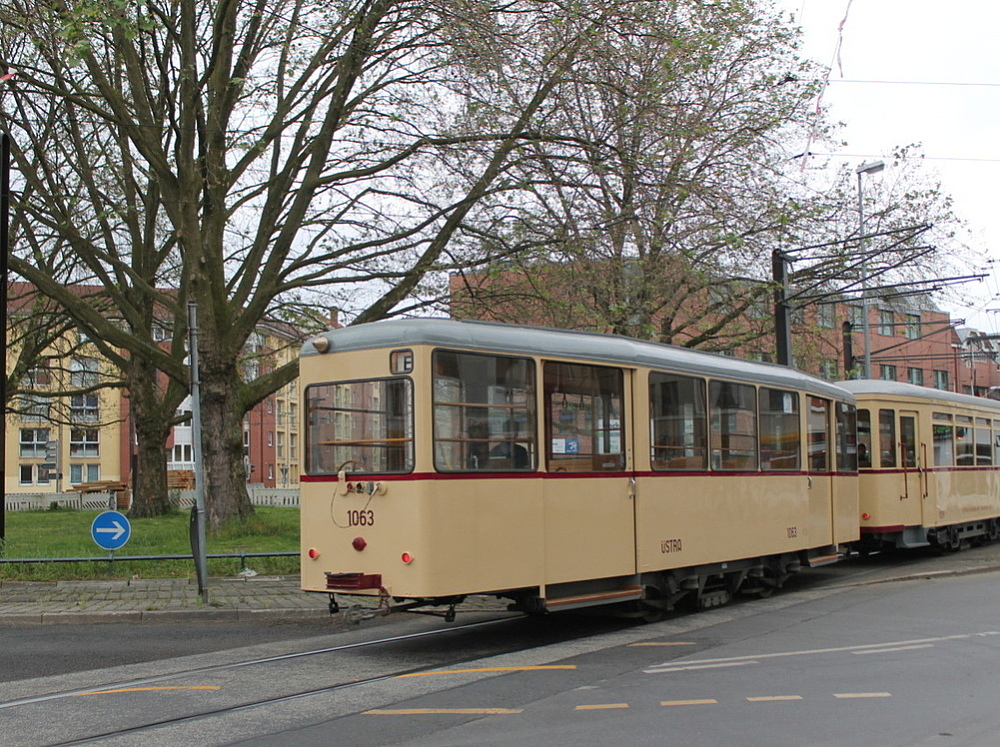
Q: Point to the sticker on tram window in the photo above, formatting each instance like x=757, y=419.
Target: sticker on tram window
x=361, y=518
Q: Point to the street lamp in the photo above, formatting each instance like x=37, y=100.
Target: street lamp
x=866, y=168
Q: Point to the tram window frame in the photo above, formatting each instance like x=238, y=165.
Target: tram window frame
x=678, y=422
x=965, y=441
x=728, y=403
x=342, y=408
x=887, y=433
x=864, y=430
x=984, y=443
x=483, y=412
x=847, y=437
x=818, y=434
x=779, y=424
x=584, y=417
x=944, y=443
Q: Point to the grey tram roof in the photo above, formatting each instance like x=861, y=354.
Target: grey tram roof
x=878, y=387
x=523, y=340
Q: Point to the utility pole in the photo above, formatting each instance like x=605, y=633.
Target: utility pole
x=782, y=312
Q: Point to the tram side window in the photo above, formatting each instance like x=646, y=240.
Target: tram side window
x=583, y=418
x=360, y=426
x=678, y=422
x=984, y=448
x=944, y=440
x=864, y=438
x=484, y=413
x=780, y=430
x=965, y=443
x=819, y=434
x=847, y=438
x=733, y=439
x=887, y=438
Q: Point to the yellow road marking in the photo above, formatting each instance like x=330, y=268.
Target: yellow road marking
x=148, y=689
x=653, y=643
x=601, y=707
x=488, y=669
x=706, y=701
x=771, y=698
x=445, y=711
x=862, y=695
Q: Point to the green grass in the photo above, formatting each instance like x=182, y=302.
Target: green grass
x=66, y=534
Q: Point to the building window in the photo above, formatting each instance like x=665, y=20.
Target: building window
x=912, y=328
x=828, y=370
x=84, y=408
x=825, y=315
x=915, y=376
x=293, y=446
x=27, y=474
x=270, y=439
x=84, y=373
x=886, y=322
x=40, y=376
x=33, y=408
x=857, y=316
x=33, y=441
x=941, y=380
x=888, y=373
x=84, y=442
x=293, y=415
x=281, y=445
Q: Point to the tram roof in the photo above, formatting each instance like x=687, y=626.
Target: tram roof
x=879, y=387
x=603, y=348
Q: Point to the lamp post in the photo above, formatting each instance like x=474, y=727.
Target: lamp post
x=866, y=168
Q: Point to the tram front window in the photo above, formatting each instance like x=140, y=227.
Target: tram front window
x=360, y=426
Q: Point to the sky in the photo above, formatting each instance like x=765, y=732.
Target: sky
x=916, y=71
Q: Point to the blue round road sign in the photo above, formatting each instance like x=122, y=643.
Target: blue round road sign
x=110, y=530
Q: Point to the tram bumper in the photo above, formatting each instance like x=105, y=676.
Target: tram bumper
x=353, y=581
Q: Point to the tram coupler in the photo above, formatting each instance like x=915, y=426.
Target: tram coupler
x=333, y=605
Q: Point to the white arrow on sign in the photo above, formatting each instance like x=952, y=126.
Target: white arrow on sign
x=117, y=530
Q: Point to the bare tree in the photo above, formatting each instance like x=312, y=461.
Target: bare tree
x=241, y=153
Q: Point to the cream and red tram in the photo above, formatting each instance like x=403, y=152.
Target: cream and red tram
x=929, y=465
x=562, y=469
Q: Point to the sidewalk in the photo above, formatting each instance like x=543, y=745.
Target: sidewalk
x=156, y=600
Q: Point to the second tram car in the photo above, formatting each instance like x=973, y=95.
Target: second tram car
x=929, y=466
x=563, y=469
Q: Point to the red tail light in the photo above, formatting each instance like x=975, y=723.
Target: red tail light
x=359, y=544
x=313, y=553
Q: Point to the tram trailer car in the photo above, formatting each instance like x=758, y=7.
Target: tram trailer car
x=561, y=469
x=929, y=466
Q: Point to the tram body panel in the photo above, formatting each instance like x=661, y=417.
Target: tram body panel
x=701, y=519
x=846, y=527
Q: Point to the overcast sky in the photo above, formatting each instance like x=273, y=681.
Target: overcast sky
x=915, y=71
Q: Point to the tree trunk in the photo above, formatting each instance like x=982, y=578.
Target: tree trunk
x=151, y=418
x=226, y=495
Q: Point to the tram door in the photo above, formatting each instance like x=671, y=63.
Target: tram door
x=909, y=456
x=821, y=508
x=589, y=506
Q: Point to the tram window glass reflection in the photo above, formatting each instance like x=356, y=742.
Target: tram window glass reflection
x=908, y=440
x=583, y=418
x=944, y=445
x=780, y=430
x=864, y=438
x=733, y=439
x=847, y=438
x=484, y=412
x=360, y=426
x=678, y=422
x=818, y=419
x=887, y=438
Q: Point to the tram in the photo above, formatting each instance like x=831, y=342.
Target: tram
x=929, y=466
x=560, y=469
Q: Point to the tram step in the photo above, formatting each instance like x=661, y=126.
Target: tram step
x=823, y=560
x=625, y=594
